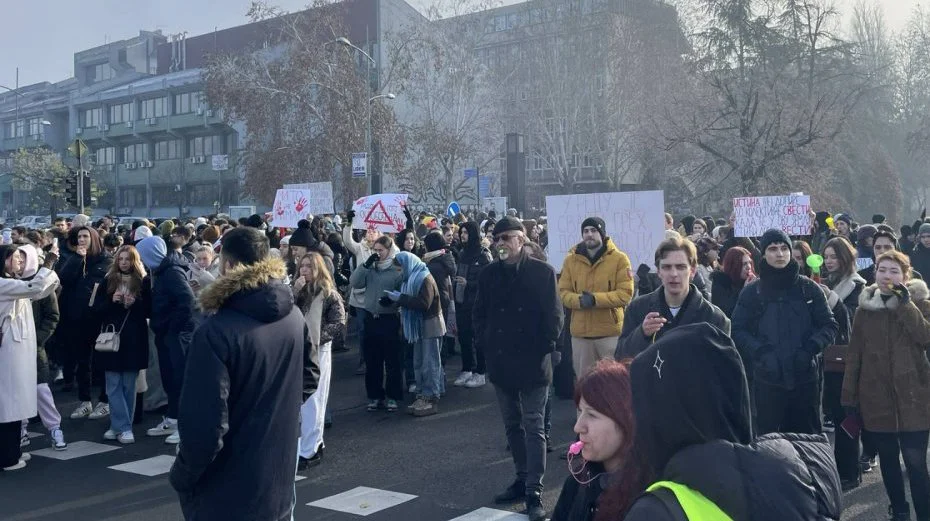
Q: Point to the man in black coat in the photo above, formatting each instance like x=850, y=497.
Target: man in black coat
x=675, y=303
x=517, y=319
x=781, y=325
x=242, y=391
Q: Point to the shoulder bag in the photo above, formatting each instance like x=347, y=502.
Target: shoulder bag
x=108, y=339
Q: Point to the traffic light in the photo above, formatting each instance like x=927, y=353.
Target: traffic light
x=86, y=192
x=71, y=188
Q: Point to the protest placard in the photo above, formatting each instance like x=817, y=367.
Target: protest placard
x=382, y=212
x=789, y=213
x=635, y=223
x=320, y=200
x=289, y=207
x=498, y=204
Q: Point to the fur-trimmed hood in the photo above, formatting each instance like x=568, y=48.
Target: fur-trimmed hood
x=256, y=290
x=871, y=298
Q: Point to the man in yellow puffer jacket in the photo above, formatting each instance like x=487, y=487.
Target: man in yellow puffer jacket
x=596, y=284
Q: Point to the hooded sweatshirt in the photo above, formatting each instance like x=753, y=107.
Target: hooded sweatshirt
x=691, y=403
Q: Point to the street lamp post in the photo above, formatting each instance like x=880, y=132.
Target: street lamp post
x=342, y=40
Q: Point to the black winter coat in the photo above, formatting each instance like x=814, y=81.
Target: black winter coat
x=725, y=292
x=443, y=269
x=920, y=258
x=133, y=354
x=173, y=313
x=83, y=293
x=46, y=316
x=240, y=405
x=578, y=502
x=517, y=320
x=695, y=309
x=781, y=325
x=777, y=477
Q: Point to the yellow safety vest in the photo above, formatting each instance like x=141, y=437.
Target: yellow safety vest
x=695, y=505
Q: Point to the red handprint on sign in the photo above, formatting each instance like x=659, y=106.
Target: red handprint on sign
x=279, y=210
x=300, y=204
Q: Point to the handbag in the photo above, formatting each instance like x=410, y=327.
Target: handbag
x=834, y=359
x=108, y=339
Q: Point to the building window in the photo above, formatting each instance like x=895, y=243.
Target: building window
x=187, y=102
x=91, y=118
x=206, y=145
x=15, y=129
x=166, y=195
x=35, y=126
x=500, y=23
x=106, y=156
x=135, y=153
x=170, y=149
x=120, y=113
x=153, y=108
x=132, y=196
x=100, y=72
x=201, y=195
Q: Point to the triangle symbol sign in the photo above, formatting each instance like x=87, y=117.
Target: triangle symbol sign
x=378, y=215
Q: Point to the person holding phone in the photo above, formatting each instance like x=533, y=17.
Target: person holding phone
x=887, y=379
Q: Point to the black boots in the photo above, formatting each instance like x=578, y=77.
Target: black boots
x=903, y=515
x=516, y=491
x=534, y=508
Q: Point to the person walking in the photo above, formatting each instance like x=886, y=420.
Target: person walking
x=424, y=327
x=473, y=258
x=675, y=303
x=382, y=346
x=781, y=324
x=886, y=379
x=318, y=300
x=240, y=399
x=518, y=319
x=18, y=384
x=128, y=303
x=596, y=285
x=172, y=321
x=82, y=298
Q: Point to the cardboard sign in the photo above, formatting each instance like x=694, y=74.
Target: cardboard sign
x=320, y=198
x=635, y=223
x=756, y=215
x=289, y=207
x=382, y=212
x=498, y=204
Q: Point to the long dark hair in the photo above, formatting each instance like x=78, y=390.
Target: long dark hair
x=6, y=252
x=608, y=390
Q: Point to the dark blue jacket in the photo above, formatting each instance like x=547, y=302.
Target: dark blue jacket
x=781, y=325
x=240, y=403
x=173, y=305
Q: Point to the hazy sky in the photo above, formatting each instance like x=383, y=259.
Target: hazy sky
x=41, y=37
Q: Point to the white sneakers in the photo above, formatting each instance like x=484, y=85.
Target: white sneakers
x=126, y=438
x=477, y=380
x=21, y=464
x=58, y=440
x=110, y=435
x=167, y=427
x=464, y=377
x=102, y=410
x=174, y=439
x=82, y=411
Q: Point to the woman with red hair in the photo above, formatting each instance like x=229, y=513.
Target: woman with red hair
x=595, y=491
x=737, y=271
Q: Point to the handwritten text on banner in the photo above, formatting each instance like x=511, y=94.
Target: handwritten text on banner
x=789, y=213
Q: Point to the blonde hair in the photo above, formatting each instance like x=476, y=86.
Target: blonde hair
x=322, y=281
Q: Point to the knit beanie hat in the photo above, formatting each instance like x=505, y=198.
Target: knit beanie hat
x=255, y=221
x=924, y=228
x=843, y=217
x=152, y=250
x=773, y=236
x=302, y=235
x=508, y=224
x=878, y=218
x=166, y=228
x=598, y=224
x=434, y=241
x=866, y=231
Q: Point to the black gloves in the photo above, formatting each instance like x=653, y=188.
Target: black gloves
x=350, y=215
x=385, y=302
x=587, y=300
x=371, y=261
x=903, y=294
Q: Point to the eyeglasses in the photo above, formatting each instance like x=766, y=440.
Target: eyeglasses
x=925, y=236
x=504, y=237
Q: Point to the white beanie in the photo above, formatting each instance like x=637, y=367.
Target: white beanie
x=79, y=220
x=142, y=232
x=200, y=222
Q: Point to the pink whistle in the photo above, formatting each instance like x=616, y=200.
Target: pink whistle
x=575, y=448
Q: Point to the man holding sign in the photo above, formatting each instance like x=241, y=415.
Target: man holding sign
x=596, y=284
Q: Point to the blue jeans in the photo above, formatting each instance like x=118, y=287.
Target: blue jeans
x=121, y=388
x=427, y=367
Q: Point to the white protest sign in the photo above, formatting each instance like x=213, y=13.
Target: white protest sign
x=863, y=263
x=498, y=204
x=289, y=207
x=756, y=215
x=635, y=223
x=321, y=196
x=382, y=212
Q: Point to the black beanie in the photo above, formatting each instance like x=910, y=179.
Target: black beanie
x=508, y=224
x=254, y=221
x=597, y=223
x=773, y=236
x=434, y=241
x=878, y=218
x=689, y=388
x=302, y=235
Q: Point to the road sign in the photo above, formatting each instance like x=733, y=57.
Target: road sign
x=360, y=164
x=471, y=173
x=453, y=209
x=484, y=186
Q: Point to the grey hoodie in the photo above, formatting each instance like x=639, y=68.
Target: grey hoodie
x=384, y=276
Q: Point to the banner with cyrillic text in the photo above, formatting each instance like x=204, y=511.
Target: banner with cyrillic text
x=756, y=215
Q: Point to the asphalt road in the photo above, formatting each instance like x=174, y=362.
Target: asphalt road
x=444, y=467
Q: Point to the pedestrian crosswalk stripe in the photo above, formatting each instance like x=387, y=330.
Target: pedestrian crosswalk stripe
x=490, y=514
x=362, y=501
x=77, y=449
x=147, y=467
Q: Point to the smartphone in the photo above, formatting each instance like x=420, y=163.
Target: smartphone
x=852, y=426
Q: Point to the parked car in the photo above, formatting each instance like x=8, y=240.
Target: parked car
x=35, y=221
